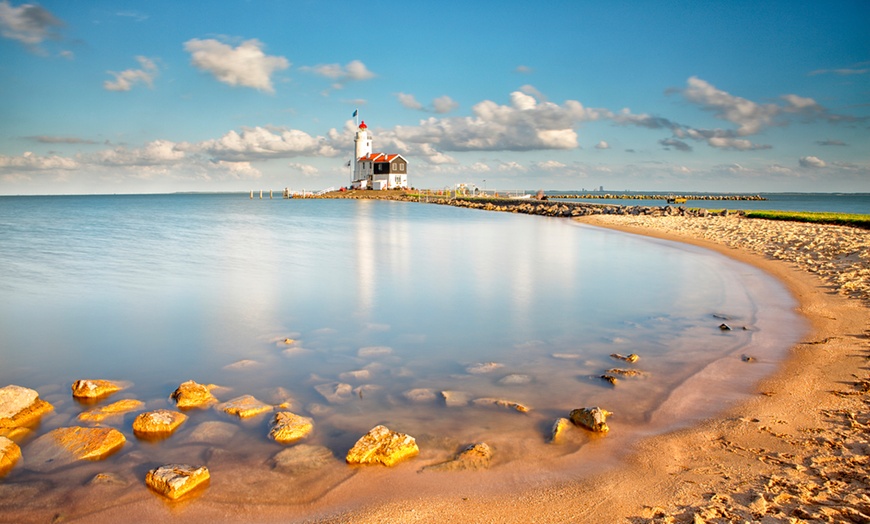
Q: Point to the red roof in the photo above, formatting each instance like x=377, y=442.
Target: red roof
x=363, y=125
x=379, y=157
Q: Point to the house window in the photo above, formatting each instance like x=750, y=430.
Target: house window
x=395, y=168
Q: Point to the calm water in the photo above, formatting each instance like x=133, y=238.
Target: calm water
x=819, y=202
x=400, y=301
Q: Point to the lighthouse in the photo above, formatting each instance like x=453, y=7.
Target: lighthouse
x=376, y=170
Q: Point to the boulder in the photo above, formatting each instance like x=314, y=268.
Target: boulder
x=303, y=458
x=474, y=457
x=64, y=446
x=497, y=402
x=244, y=407
x=593, y=419
x=192, y=395
x=289, y=427
x=20, y=406
x=557, y=433
x=115, y=408
x=176, y=480
x=627, y=358
x=94, y=389
x=382, y=446
x=9, y=455
x=159, y=423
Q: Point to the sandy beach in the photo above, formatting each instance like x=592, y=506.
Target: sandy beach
x=798, y=451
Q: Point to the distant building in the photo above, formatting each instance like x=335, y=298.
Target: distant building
x=376, y=170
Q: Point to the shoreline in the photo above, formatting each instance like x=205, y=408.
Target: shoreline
x=710, y=469
x=797, y=449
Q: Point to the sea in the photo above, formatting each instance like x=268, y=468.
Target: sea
x=452, y=325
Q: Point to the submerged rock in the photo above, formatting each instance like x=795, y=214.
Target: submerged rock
x=159, y=423
x=609, y=378
x=115, y=408
x=193, y=395
x=724, y=327
x=244, y=407
x=302, y=458
x=593, y=419
x=515, y=380
x=627, y=358
x=474, y=457
x=212, y=432
x=625, y=372
x=420, y=395
x=176, y=480
x=456, y=398
x=20, y=406
x=382, y=446
x=497, y=402
x=557, y=433
x=483, y=367
x=335, y=392
x=94, y=389
x=63, y=446
x=289, y=427
x=9, y=455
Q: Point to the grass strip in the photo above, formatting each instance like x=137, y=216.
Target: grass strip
x=841, y=219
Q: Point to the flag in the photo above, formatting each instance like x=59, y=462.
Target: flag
x=355, y=111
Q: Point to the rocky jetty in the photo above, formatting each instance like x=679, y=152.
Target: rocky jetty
x=191, y=394
x=593, y=419
x=289, y=427
x=63, y=446
x=382, y=446
x=115, y=408
x=9, y=455
x=19, y=407
x=95, y=389
x=176, y=480
x=159, y=423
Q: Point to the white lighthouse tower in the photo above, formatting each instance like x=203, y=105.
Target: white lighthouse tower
x=363, y=147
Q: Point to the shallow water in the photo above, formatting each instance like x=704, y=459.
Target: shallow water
x=401, y=301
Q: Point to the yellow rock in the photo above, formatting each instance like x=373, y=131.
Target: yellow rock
x=191, y=395
x=593, y=419
x=382, y=446
x=94, y=388
x=20, y=406
x=244, y=406
x=161, y=422
x=115, y=408
x=63, y=446
x=289, y=427
x=559, y=428
x=175, y=480
x=9, y=455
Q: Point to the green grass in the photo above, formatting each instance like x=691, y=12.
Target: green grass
x=842, y=219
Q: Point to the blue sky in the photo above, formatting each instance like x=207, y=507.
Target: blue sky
x=132, y=97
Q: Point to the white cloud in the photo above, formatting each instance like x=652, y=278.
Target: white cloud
x=831, y=142
x=353, y=70
x=245, y=65
x=28, y=24
x=260, y=143
x=842, y=71
x=738, y=144
x=306, y=169
x=811, y=162
x=409, y=101
x=444, y=104
x=31, y=162
x=125, y=80
x=523, y=69
x=749, y=116
x=550, y=165
x=157, y=152
x=602, y=145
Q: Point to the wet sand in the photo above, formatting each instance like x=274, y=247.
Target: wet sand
x=798, y=449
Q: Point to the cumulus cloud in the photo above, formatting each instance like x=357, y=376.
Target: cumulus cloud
x=246, y=65
x=352, y=71
x=811, y=162
x=409, y=101
x=550, y=165
x=306, y=169
x=602, y=145
x=125, y=80
x=28, y=24
x=747, y=115
x=444, y=104
x=259, y=143
x=674, y=143
x=33, y=162
x=156, y=152
x=45, y=139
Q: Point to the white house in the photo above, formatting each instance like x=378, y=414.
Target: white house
x=376, y=170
